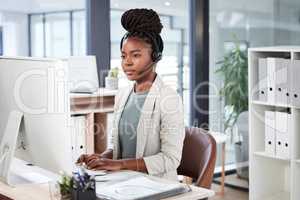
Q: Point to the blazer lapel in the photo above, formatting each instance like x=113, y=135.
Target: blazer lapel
x=145, y=118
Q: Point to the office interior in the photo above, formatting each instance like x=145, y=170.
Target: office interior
x=198, y=37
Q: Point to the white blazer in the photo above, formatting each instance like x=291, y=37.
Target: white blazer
x=160, y=131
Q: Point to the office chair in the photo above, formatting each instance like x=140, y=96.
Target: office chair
x=2, y=197
x=198, y=157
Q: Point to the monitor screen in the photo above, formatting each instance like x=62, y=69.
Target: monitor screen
x=38, y=88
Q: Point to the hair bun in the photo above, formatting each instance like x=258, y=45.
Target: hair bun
x=141, y=20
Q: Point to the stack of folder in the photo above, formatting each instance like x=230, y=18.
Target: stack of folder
x=78, y=136
x=278, y=81
x=278, y=129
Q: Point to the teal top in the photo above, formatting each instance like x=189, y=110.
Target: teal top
x=128, y=124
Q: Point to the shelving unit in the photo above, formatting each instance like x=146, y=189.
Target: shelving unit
x=264, y=154
x=271, y=177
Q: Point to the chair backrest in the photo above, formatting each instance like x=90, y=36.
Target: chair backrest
x=198, y=156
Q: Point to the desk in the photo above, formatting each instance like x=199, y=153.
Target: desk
x=221, y=138
x=43, y=192
x=95, y=106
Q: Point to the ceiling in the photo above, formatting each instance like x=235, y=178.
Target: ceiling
x=168, y=7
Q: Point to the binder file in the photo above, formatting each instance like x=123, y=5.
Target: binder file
x=78, y=137
x=283, y=130
x=295, y=83
x=271, y=69
x=282, y=81
x=262, y=79
x=270, y=133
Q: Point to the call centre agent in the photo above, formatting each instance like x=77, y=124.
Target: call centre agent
x=148, y=128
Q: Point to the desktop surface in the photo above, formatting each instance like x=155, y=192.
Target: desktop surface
x=37, y=191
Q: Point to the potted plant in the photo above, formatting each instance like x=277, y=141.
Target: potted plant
x=111, y=81
x=234, y=71
x=65, y=186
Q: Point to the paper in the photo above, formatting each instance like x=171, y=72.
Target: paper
x=137, y=188
x=96, y=172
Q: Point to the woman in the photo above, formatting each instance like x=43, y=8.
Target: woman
x=148, y=127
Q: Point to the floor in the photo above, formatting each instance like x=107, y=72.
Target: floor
x=233, y=180
x=230, y=194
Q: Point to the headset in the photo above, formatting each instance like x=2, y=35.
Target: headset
x=156, y=54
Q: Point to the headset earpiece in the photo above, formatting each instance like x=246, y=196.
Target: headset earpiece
x=156, y=56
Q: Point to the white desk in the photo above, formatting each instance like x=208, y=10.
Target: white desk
x=221, y=138
x=45, y=191
x=42, y=192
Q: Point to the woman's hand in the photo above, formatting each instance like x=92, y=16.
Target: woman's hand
x=105, y=164
x=85, y=158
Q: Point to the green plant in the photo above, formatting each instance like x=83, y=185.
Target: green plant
x=113, y=72
x=65, y=184
x=234, y=71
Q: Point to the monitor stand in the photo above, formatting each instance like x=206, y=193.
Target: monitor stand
x=22, y=172
x=14, y=171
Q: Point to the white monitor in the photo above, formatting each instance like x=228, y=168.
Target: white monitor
x=83, y=74
x=38, y=88
x=8, y=144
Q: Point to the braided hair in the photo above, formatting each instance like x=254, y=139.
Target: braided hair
x=144, y=24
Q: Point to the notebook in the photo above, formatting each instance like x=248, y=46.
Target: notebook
x=140, y=187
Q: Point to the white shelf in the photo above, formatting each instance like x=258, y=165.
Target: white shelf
x=101, y=92
x=279, y=196
x=264, y=154
x=271, y=177
x=86, y=111
x=276, y=49
x=263, y=103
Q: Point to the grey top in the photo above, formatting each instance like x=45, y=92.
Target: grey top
x=128, y=124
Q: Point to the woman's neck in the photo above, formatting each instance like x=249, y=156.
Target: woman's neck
x=145, y=84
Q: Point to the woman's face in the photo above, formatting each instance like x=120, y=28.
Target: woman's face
x=136, y=58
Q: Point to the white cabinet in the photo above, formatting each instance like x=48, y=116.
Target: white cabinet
x=274, y=123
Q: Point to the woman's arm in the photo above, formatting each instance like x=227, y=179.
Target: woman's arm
x=115, y=165
x=172, y=133
x=107, y=154
x=86, y=158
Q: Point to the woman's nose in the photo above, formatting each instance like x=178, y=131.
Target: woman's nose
x=128, y=61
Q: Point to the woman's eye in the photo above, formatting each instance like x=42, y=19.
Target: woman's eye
x=136, y=55
x=123, y=57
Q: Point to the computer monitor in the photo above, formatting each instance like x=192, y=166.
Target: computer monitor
x=38, y=88
x=83, y=74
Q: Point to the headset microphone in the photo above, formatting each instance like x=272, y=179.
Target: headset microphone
x=149, y=66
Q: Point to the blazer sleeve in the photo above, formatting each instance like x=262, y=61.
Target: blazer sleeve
x=172, y=133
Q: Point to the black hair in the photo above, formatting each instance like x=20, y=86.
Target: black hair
x=144, y=24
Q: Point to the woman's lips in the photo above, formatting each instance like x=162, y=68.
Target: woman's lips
x=130, y=72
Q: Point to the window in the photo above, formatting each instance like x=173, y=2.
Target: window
x=58, y=34
x=79, y=33
x=58, y=43
x=37, y=35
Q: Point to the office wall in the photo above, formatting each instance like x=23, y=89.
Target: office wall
x=15, y=33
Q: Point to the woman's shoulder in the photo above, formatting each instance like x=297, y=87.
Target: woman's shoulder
x=167, y=90
x=169, y=99
x=122, y=91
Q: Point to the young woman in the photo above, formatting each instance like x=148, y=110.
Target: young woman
x=148, y=127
